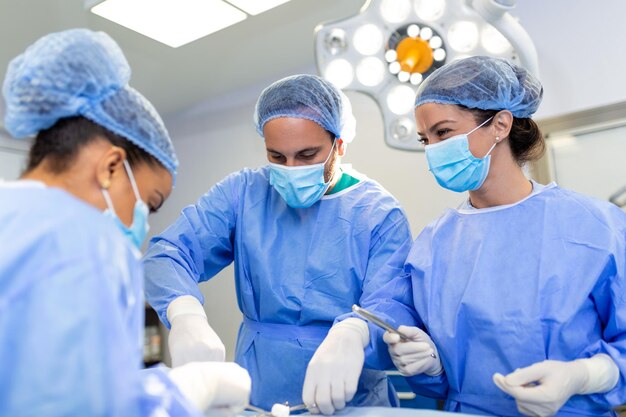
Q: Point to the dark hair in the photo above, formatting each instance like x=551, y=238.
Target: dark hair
x=525, y=139
x=59, y=145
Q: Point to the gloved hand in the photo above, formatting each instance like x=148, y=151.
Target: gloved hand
x=223, y=385
x=333, y=373
x=417, y=356
x=542, y=389
x=191, y=338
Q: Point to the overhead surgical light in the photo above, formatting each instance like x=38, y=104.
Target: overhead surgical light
x=370, y=71
x=340, y=72
x=368, y=39
x=178, y=22
x=391, y=46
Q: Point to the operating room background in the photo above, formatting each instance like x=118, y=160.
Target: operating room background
x=582, y=67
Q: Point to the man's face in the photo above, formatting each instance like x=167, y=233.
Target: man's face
x=298, y=142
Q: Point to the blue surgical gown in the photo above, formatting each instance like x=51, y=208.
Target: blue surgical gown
x=71, y=313
x=503, y=288
x=296, y=271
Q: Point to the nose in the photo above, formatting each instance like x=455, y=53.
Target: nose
x=294, y=162
x=291, y=162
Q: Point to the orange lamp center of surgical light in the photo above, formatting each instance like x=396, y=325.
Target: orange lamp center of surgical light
x=414, y=55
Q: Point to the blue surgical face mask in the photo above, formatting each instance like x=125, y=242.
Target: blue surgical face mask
x=454, y=166
x=300, y=186
x=138, y=230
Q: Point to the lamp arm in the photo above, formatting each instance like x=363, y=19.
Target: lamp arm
x=495, y=12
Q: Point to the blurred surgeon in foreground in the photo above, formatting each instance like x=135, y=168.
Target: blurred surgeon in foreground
x=522, y=288
x=71, y=280
x=309, y=238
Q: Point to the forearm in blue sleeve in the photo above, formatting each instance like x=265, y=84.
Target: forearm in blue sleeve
x=386, y=288
x=193, y=249
x=611, y=305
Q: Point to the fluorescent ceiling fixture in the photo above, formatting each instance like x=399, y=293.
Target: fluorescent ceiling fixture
x=172, y=22
x=254, y=7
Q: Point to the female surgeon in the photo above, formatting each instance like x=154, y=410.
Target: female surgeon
x=522, y=288
x=71, y=281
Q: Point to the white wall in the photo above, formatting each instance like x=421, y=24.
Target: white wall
x=582, y=66
x=13, y=155
x=581, y=53
x=210, y=144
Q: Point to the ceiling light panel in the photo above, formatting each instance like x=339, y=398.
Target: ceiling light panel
x=254, y=7
x=172, y=22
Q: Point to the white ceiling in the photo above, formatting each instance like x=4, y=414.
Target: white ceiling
x=261, y=48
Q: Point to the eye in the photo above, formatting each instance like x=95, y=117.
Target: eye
x=423, y=140
x=276, y=157
x=307, y=155
x=442, y=132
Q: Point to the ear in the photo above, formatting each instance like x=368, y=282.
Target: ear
x=503, y=121
x=341, y=147
x=109, y=163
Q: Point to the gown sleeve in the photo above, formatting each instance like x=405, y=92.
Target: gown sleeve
x=386, y=289
x=198, y=245
x=75, y=325
x=417, y=265
x=609, y=297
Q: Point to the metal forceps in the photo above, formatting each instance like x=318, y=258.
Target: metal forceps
x=371, y=317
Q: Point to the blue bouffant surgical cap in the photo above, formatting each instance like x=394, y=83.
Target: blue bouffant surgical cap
x=82, y=73
x=307, y=97
x=484, y=83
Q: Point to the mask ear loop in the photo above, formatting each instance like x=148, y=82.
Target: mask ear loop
x=328, y=158
x=491, y=149
x=331, y=151
x=107, y=199
x=131, y=177
x=494, y=144
x=479, y=126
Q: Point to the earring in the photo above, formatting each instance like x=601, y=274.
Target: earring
x=106, y=184
x=497, y=139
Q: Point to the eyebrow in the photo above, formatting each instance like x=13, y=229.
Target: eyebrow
x=436, y=126
x=313, y=148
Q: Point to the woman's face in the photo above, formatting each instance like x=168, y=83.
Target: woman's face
x=438, y=122
x=153, y=181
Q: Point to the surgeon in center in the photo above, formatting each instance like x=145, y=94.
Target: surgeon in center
x=309, y=238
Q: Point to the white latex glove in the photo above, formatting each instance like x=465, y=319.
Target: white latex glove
x=542, y=389
x=416, y=356
x=215, y=385
x=333, y=374
x=191, y=338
